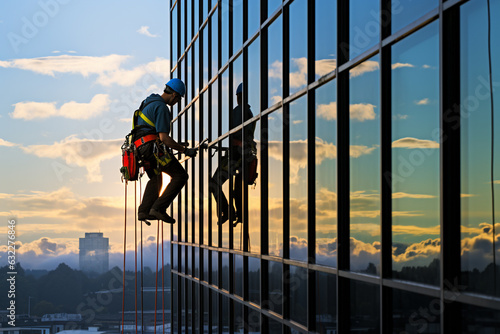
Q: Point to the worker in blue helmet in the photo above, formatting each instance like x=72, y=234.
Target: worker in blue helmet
x=152, y=138
x=241, y=144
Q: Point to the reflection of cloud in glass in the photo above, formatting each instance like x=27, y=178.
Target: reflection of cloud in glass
x=410, y=142
x=477, y=251
x=417, y=254
x=365, y=67
x=422, y=102
x=325, y=66
x=406, y=195
x=359, y=111
x=400, y=65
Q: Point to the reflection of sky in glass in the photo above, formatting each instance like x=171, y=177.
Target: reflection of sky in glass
x=174, y=36
x=238, y=275
x=196, y=71
x=214, y=119
x=364, y=26
x=183, y=31
x=298, y=45
x=238, y=25
x=275, y=186
x=230, y=200
x=275, y=301
x=225, y=101
x=253, y=86
x=205, y=56
x=326, y=37
x=298, y=179
x=275, y=61
x=215, y=44
x=406, y=11
x=415, y=152
x=365, y=307
x=476, y=203
x=254, y=280
x=224, y=7
x=326, y=174
x=272, y=5
x=189, y=29
x=364, y=142
x=215, y=219
x=326, y=310
x=215, y=268
x=253, y=17
x=254, y=209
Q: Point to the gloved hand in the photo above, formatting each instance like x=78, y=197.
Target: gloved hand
x=190, y=152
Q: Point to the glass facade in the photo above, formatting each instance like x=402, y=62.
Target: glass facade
x=371, y=127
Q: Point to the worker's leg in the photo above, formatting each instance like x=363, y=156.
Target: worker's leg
x=150, y=193
x=215, y=187
x=178, y=178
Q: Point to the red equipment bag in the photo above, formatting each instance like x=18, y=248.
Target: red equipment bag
x=130, y=166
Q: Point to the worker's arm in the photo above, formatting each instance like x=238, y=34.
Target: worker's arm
x=169, y=142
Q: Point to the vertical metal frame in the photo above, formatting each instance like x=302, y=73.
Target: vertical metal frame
x=449, y=86
x=343, y=241
x=386, y=168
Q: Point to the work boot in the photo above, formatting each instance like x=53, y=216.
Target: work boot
x=161, y=216
x=144, y=216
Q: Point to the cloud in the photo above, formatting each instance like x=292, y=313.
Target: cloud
x=144, y=30
x=355, y=151
x=79, y=152
x=410, y=143
x=107, y=68
x=401, y=65
x=360, y=111
x=6, y=143
x=276, y=70
x=365, y=67
x=422, y=102
x=416, y=230
x=417, y=254
x=72, y=110
x=325, y=66
x=48, y=252
x=415, y=196
x=298, y=78
x=477, y=251
x=399, y=117
x=275, y=99
x=467, y=195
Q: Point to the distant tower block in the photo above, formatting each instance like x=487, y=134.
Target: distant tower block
x=94, y=253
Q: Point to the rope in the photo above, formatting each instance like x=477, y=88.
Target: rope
x=142, y=285
x=124, y=254
x=156, y=276
x=162, y=282
x=135, y=251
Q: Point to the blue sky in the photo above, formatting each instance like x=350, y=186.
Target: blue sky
x=71, y=74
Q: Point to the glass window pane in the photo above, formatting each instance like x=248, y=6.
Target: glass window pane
x=365, y=307
x=364, y=29
x=298, y=179
x=326, y=306
x=253, y=86
x=215, y=191
x=254, y=280
x=175, y=306
x=298, y=294
x=196, y=50
x=175, y=34
x=215, y=43
x=205, y=155
x=364, y=119
x=406, y=11
x=298, y=45
x=479, y=320
x=206, y=308
x=275, y=61
x=326, y=174
x=206, y=53
x=197, y=262
x=274, y=326
x=189, y=21
x=326, y=37
x=275, y=186
x=215, y=311
x=206, y=264
x=478, y=244
x=414, y=313
x=254, y=200
x=238, y=275
x=227, y=196
x=225, y=101
x=224, y=25
x=238, y=24
x=275, y=299
x=272, y=5
x=225, y=271
x=215, y=110
x=253, y=17
x=415, y=156
x=215, y=268
x=183, y=27
x=253, y=322
x=196, y=16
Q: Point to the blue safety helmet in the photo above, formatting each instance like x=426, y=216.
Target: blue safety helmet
x=239, y=90
x=178, y=86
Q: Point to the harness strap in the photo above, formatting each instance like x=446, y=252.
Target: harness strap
x=144, y=140
x=144, y=117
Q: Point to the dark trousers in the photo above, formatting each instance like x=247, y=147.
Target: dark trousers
x=224, y=171
x=178, y=175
